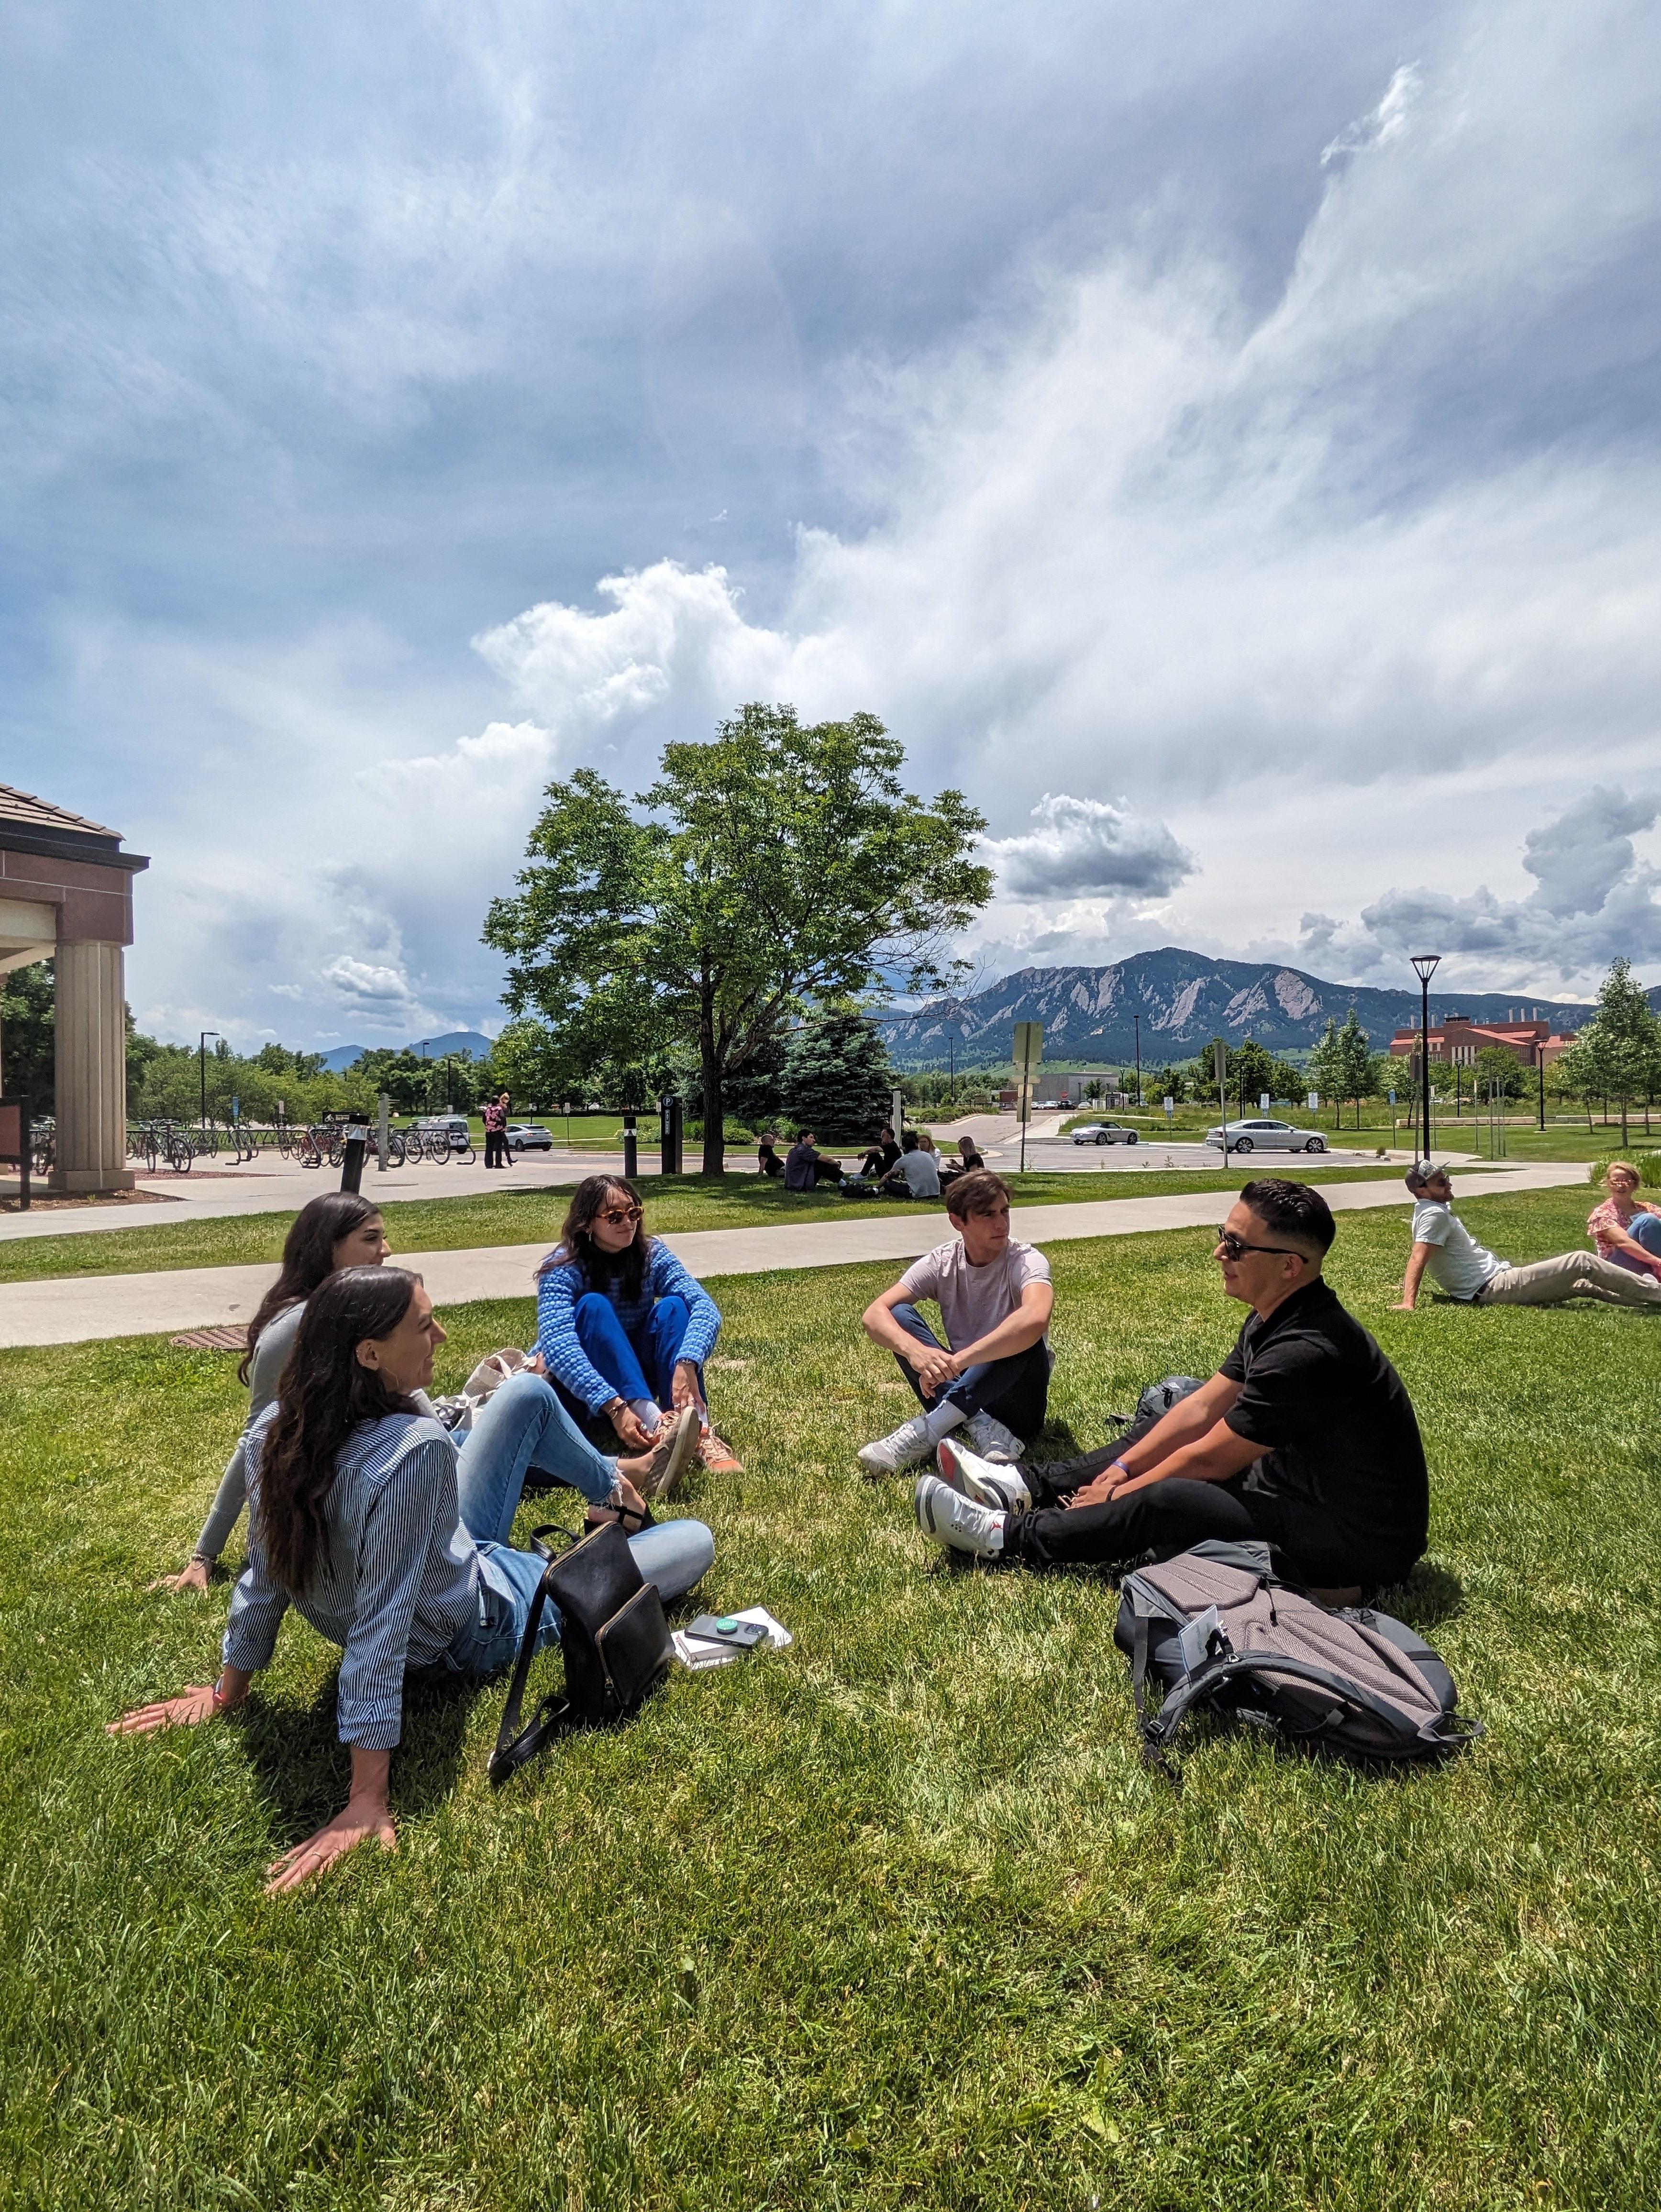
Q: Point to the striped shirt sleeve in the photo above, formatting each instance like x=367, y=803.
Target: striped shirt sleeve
x=415, y=1505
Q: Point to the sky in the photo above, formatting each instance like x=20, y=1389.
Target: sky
x=1223, y=443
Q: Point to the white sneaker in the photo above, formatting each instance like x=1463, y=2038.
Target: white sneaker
x=904, y=1448
x=1001, y=1488
x=951, y=1518
x=992, y=1440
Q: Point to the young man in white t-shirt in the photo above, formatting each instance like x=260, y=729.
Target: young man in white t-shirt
x=991, y=1378
x=1467, y=1272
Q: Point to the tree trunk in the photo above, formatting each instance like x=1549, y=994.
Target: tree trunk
x=1623, y=1121
x=711, y=1072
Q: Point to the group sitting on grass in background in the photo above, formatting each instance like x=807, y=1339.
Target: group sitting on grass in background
x=366, y=1518
x=1465, y=1272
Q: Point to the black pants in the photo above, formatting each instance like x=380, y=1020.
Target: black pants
x=1015, y=1391
x=1167, y=1517
x=495, y=1148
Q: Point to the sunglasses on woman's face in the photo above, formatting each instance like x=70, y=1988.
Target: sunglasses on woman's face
x=1233, y=1247
x=616, y=1216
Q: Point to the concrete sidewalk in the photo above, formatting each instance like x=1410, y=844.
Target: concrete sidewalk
x=81, y=1309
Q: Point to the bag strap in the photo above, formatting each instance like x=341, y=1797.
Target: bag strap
x=514, y=1744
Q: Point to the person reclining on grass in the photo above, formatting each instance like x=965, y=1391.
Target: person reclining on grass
x=917, y=1174
x=1305, y=1437
x=804, y=1168
x=1625, y=1227
x=991, y=1378
x=366, y=1519
x=622, y=1329
x=338, y=1229
x=1471, y=1276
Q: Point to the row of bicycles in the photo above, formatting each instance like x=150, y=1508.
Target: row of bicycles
x=178, y=1144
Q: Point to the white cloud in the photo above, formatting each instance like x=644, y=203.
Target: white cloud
x=1089, y=845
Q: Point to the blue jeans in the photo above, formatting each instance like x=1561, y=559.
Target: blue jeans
x=637, y=1365
x=1015, y=1390
x=1644, y=1229
x=521, y=1420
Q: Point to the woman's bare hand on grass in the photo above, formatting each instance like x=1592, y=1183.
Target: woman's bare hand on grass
x=184, y=1710
x=355, y=1825
x=195, y=1576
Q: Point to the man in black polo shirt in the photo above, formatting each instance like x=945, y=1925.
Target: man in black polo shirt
x=1304, y=1437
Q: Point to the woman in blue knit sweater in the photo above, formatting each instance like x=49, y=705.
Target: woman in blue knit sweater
x=622, y=1330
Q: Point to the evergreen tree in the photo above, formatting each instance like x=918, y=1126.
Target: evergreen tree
x=837, y=1078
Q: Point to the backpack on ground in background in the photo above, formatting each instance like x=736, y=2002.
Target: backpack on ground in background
x=612, y=1632
x=1219, y=1629
x=1158, y=1398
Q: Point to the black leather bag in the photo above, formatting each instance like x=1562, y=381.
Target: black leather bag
x=612, y=1632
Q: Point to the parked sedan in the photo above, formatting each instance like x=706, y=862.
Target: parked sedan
x=1263, y=1135
x=1104, y=1133
x=528, y=1137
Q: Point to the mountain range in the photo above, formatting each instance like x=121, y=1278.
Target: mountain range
x=468, y=1042
x=1184, y=999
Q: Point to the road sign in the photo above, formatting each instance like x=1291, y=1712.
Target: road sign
x=1312, y=1100
x=1169, y=1107
x=1029, y=1051
x=1263, y=1102
x=1219, y=1063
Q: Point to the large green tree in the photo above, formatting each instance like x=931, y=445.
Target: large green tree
x=1618, y=1053
x=779, y=865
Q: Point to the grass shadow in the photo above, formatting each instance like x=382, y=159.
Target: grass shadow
x=1429, y=1596
x=304, y=1770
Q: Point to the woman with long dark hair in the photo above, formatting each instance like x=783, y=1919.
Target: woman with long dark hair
x=621, y=1328
x=338, y=1230
x=394, y=1547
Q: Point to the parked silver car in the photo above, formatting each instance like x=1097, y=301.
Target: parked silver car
x=1104, y=1133
x=1263, y=1135
x=528, y=1137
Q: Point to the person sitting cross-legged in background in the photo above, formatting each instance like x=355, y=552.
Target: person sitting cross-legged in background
x=1471, y=1276
x=768, y=1162
x=622, y=1330
x=805, y=1167
x=991, y=1378
x=1625, y=1227
x=882, y=1155
x=917, y=1174
x=1305, y=1437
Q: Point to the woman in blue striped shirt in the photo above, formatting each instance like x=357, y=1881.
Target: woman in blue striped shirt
x=366, y=1519
x=622, y=1328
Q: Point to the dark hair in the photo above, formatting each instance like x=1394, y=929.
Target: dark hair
x=802, y=1135
x=1291, y=1210
x=908, y=1141
x=307, y=1258
x=325, y=1394
x=577, y=1249
x=977, y=1192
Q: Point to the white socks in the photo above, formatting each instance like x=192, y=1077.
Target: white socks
x=944, y=1419
x=648, y=1414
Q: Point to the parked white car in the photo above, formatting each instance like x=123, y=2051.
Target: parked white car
x=1104, y=1133
x=528, y=1137
x=1262, y=1135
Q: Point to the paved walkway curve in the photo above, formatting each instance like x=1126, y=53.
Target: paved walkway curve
x=77, y=1310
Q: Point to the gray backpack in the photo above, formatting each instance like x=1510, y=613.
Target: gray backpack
x=1219, y=1629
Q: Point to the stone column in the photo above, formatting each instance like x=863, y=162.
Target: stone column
x=91, y=1069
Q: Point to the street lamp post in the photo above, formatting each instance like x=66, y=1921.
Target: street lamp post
x=1424, y=965
x=202, y=1065
x=1136, y=1020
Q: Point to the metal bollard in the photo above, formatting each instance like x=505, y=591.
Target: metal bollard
x=351, y=1167
x=630, y=1149
x=669, y=1131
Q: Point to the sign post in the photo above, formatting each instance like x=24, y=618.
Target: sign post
x=381, y=1132
x=1220, y=1066
x=1029, y=1051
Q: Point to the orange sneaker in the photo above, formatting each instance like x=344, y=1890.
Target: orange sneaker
x=718, y=1457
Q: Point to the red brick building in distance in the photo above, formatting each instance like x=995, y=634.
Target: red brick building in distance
x=1457, y=1040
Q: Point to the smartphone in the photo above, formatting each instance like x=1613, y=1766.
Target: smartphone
x=726, y=1628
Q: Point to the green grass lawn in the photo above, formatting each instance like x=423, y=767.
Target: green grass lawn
x=896, y=1917
x=454, y=1224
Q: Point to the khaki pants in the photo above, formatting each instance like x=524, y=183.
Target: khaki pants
x=1570, y=1275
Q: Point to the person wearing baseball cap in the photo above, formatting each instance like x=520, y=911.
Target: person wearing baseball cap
x=1470, y=1274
